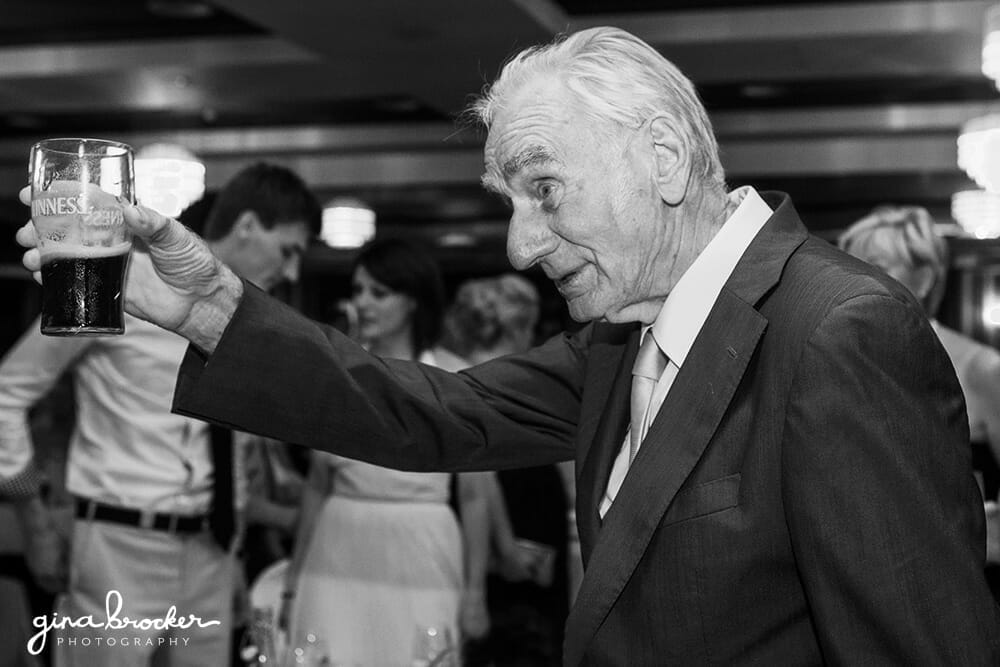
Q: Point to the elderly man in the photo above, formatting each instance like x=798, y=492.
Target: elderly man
x=153, y=491
x=790, y=485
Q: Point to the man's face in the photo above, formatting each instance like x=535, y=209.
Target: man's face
x=585, y=208
x=268, y=257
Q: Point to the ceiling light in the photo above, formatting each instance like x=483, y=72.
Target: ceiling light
x=979, y=151
x=347, y=223
x=978, y=212
x=168, y=178
x=457, y=240
x=991, y=44
x=992, y=316
x=991, y=306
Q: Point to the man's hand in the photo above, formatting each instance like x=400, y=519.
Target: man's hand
x=47, y=556
x=173, y=281
x=516, y=564
x=46, y=546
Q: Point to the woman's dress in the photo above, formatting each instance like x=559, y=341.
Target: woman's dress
x=384, y=559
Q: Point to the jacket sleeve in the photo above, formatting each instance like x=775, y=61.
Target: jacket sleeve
x=885, y=518
x=279, y=374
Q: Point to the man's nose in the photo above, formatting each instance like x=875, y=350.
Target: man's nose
x=528, y=238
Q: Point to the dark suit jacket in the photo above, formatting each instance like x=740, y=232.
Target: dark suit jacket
x=803, y=497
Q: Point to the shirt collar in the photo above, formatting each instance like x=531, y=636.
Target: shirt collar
x=687, y=306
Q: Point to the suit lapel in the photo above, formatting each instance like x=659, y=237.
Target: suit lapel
x=682, y=430
x=699, y=397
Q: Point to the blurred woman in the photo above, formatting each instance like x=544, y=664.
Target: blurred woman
x=903, y=243
x=527, y=592
x=379, y=553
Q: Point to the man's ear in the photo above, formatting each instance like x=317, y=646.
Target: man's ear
x=246, y=224
x=672, y=157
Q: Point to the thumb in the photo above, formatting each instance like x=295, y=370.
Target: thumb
x=155, y=229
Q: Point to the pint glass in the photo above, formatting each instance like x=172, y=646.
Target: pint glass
x=78, y=190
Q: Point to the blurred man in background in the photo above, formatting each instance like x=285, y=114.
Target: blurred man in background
x=154, y=492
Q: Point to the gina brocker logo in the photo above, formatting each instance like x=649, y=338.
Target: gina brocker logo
x=114, y=620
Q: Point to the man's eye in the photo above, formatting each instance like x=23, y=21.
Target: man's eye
x=547, y=193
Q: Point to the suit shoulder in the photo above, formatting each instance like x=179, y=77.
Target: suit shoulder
x=819, y=283
x=831, y=277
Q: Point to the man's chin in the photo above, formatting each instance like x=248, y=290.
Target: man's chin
x=582, y=312
x=590, y=311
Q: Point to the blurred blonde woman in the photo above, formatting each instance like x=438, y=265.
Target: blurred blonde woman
x=901, y=240
x=527, y=590
x=380, y=553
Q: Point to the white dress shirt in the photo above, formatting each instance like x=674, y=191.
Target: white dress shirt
x=127, y=448
x=687, y=307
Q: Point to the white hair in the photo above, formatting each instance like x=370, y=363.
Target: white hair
x=900, y=237
x=618, y=79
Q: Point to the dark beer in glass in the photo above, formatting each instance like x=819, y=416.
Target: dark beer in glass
x=79, y=188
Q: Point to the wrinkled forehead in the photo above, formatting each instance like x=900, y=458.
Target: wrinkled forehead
x=536, y=133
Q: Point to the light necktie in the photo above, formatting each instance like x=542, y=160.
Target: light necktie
x=649, y=366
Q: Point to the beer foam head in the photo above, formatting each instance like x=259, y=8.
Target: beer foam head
x=75, y=251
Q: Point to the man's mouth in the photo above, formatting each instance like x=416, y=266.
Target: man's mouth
x=566, y=281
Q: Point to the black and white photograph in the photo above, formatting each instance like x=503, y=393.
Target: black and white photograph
x=499, y=333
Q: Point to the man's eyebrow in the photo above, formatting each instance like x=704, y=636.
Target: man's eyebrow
x=495, y=179
x=525, y=158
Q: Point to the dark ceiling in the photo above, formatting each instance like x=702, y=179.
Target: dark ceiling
x=843, y=104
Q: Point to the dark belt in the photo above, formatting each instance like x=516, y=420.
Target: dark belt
x=92, y=510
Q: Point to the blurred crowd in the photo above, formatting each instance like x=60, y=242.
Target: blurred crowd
x=301, y=556
x=777, y=443
x=304, y=556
